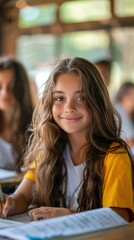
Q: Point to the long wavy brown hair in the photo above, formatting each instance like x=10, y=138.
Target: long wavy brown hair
x=21, y=114
x=49, y=140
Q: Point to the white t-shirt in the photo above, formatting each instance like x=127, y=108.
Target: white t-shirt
x=74, y=180
x=7, y=158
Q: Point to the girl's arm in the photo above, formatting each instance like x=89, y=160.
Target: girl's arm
x=117, y=186
x=20, y=200
x=50, y=212
x=123, y=212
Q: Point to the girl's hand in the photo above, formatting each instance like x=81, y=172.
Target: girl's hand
x=8, y=206
x=48, y=212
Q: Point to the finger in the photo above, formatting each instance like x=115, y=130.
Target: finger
x=37, y=216
x=36, y=210
x=33, y=216
x=0, y=209
x=31, y=212
x=9, y=205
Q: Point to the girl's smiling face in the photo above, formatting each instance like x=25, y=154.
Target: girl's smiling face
x=6, y=89
x=69, y=109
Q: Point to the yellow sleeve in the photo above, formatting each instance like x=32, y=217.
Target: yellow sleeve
x=31, y=173
x=117, y=185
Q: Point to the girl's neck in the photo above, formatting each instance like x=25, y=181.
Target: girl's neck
x=76, y=146
x=6, y=117
x=6, y=134
x=6, y=129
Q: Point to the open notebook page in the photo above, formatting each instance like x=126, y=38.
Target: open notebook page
x=70, y=225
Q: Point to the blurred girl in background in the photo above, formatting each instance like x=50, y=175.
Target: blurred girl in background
x=15, y=112
x=124, y=103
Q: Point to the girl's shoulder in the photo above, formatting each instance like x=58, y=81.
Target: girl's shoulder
x=117, y=154
x=116, y=147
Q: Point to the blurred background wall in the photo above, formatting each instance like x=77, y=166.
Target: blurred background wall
x=38, y=32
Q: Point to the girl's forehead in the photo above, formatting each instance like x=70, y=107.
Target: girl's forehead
x=68, y=80
x=68, y=76
x=6, y=75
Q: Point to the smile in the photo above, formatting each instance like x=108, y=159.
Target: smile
x=71, y=119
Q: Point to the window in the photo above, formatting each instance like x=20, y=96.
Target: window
x=35, y=16
x=85, y=44
x=124, y=7
x=81, y=11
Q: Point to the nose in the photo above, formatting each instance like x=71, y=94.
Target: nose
x=4, y=91
x=69, y=107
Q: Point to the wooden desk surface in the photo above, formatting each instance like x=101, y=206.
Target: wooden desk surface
x=12, y=181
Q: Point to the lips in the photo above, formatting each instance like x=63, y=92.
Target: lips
x=5, y=101
x=70, y=119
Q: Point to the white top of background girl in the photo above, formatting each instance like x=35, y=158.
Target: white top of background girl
x=7, y=156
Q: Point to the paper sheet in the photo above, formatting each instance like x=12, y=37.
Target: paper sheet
x=70, y=225
x=4, y=223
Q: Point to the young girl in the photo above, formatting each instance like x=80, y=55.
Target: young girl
x=81, y=162
x=15, y=112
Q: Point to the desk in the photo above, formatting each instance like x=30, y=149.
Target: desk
x=120, y=233
x=12, y=181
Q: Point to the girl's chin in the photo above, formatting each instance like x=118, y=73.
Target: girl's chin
x=5, y=107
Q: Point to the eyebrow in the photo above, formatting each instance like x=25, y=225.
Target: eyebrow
x=57, y=91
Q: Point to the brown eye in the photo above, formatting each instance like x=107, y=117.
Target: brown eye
x=79, y=99
x=59, y=99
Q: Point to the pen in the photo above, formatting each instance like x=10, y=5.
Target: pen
x=2, y=198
